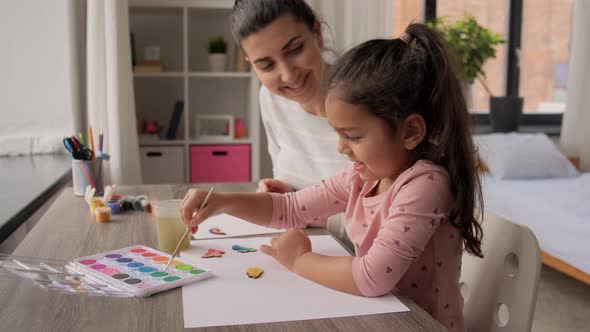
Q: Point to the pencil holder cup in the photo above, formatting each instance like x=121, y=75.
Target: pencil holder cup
x=87, y=173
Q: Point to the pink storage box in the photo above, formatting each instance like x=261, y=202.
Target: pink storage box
x=220, y=163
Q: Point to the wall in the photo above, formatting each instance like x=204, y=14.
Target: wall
x=36, y=98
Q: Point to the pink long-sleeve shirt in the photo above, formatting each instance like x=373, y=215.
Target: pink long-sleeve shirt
x=403, y=238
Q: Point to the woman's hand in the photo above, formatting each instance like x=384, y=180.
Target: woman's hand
x=189, y=209
x=288, y=247
x=273, y=186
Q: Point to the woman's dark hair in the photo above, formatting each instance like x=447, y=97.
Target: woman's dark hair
x=250, y=16
x=419, y=75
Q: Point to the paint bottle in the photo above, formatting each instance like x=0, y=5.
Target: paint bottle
x=169, y=225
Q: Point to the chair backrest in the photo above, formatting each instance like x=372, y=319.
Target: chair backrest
x=500, y=290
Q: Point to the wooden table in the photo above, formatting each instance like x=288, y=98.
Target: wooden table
x=67, y=231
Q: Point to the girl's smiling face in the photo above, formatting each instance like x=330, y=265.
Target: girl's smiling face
x=377, y=151
x=286, y=58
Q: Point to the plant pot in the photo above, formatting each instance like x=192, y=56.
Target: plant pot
x=505, y=113
x=217, y=62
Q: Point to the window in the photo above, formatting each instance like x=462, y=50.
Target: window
x=492, y=15
x=406, y=12
x=544, y=57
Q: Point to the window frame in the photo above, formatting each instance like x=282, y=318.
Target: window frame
x=549, y=123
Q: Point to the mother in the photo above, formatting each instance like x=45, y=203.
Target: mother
x=283, y=42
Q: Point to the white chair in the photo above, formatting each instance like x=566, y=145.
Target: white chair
x=500, y=290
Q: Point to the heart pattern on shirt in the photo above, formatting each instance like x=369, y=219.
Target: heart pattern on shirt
x=281, y=218
x=401, y=208
x=365, y=225
x=447, y=306
x=424, y=268
x=431, y=177
x=439, y=263
x=336, y=202
x=435, y=211
x=303, y=208
x=452, y=236
x=389, y=269
x=396, y=243
x=414, y=285
x=372, y=212
x=406, y=229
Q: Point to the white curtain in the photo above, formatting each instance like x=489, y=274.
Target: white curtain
x=110, y=97
x=352, y=22
x=576, y=120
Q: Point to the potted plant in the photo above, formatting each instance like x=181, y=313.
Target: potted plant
x=474, y=45
x=217, y=53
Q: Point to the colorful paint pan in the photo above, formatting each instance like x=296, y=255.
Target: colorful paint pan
x=175, y=263
x=159, y=274
x=197, y=271
x=133, y=281
x=137, y=251
x=184, y=267
x=98, y=266
x=147, y=269
x=109, y=271
x=87, y=261
x=171, y=278
x=161, y=259
x=135, y=265
x=149, y=254
x=124, y=260
x=113, y=256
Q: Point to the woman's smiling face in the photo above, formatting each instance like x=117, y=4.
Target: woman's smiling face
x=286, y=56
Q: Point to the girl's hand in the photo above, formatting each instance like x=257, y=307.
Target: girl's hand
x=288, y=247
x=273, y=186
x=189, y=209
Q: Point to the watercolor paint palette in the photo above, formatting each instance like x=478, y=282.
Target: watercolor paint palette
x=135, y=271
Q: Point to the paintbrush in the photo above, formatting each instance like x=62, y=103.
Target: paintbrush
x=188, y=229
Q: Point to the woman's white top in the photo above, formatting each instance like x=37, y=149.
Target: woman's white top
x=302, y=146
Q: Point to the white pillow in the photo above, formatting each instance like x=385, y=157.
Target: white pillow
x=523, y=156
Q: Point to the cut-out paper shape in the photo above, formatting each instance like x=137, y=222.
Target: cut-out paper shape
x=216, y=231
x=242, y=249
x=213, y=253
x=254, y=272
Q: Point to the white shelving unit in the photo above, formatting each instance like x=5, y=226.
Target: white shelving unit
x=181, y=28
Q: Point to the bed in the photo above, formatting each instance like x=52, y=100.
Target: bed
x=556, y=206
x=556, y=210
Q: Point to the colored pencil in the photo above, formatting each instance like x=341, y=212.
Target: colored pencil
x=91, y=140
x=100, y=140
x=188, y=229
x=81, y=138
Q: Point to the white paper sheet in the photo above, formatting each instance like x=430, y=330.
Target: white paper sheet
x=232, y=226
x=231, y=298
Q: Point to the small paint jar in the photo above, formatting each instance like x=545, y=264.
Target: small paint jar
x=115, y=206
x=103, y=214
x=94, y=203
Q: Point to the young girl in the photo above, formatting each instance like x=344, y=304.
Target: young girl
x=410, y=196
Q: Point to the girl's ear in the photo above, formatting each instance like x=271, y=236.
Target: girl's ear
x=414, y=131
x=317, y=30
